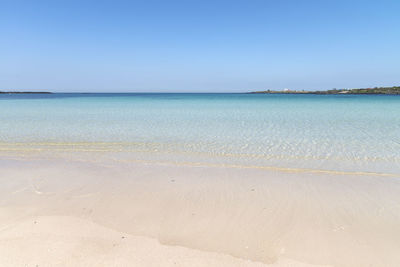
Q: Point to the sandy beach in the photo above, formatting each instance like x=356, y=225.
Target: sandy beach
x=70, y=241
x=68, y=211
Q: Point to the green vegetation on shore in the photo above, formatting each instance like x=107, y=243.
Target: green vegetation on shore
x=394, y=90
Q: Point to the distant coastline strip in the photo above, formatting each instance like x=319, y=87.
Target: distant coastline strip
x=24, y=92
x=394, y=90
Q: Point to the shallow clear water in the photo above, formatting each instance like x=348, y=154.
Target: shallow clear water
x=322, y=132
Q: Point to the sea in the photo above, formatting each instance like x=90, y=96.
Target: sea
x=283, y=132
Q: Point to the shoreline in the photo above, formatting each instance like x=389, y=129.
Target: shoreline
x=175, y=154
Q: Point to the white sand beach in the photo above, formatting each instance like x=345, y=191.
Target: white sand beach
x=73, y=212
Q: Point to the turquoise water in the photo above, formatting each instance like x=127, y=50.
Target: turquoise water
x=331, y=132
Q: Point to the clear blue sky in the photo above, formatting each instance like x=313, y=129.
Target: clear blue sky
x=198, y=46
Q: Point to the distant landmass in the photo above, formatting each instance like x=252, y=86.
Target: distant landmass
x=394, y=90
x=23, y=92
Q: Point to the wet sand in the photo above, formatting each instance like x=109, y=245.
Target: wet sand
x=76, y=212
